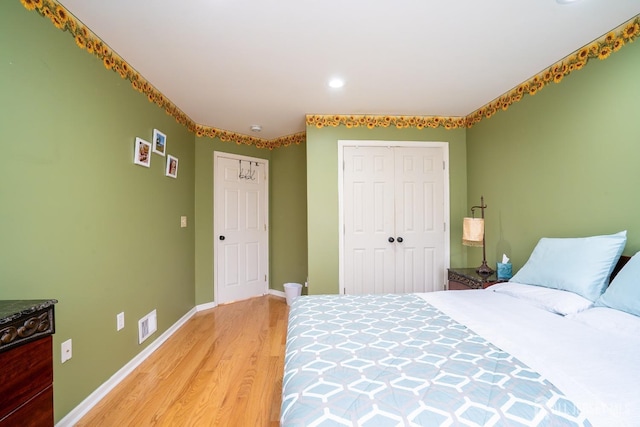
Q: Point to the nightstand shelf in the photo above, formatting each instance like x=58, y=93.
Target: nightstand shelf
x=467, y=278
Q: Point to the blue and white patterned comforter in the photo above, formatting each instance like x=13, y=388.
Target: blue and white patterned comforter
x=388, y=360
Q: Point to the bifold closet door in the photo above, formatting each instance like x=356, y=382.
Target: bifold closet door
x=419, y=219
x=368, y=220
x=393, y=219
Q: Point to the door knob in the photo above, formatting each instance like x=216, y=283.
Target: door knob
x=221, y=237
x=399, y=239
x=391, y=240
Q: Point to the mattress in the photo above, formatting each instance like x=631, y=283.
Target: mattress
x=450, y=358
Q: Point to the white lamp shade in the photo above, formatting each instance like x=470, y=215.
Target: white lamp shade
x=473, y=232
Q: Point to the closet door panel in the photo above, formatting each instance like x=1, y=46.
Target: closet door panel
x=368, y=220
x=419, y=218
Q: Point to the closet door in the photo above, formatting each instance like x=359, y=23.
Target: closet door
x=419, y=219
x=393, y=216
x=369, y=220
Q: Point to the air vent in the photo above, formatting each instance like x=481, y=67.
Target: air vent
x=147, y=326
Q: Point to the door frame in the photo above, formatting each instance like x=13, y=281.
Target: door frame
x=216, y=228
x=446, y=197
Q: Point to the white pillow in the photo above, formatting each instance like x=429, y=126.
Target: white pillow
x=553, y=300
x=624, y=291
x=580, y=265
x=609, y=320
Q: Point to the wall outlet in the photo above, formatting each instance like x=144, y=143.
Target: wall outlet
x=183, y=221
x=65, y=351
x=120, y=321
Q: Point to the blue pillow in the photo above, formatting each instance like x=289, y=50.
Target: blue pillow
x=580, y=265
x=624, y=292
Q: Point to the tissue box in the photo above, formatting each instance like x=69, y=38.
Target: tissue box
x=504, y=271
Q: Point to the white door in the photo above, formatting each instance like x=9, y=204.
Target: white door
x=369, y=210
x=240, y=227
x=419, y=219
x=393, y=204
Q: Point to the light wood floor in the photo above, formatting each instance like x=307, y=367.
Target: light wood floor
x=222, y=368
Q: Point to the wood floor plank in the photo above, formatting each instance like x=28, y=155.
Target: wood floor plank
x=223, y=367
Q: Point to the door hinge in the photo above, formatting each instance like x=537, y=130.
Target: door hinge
x=444, y=226
x=265, y=277
x=444, y=165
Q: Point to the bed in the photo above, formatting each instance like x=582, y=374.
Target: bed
x=519, y=354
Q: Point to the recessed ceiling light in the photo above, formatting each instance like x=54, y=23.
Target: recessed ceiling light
x=336, y=83
x=256, y=128
x=567, y=1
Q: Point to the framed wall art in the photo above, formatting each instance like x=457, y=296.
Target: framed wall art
x=142, y=153
x=172, y=167
x=159, y=142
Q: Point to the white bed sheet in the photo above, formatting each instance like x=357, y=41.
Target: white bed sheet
x=599, y=372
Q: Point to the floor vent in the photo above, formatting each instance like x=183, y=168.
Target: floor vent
x=147, y=326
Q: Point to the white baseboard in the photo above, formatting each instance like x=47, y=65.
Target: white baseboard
x=87, y=404
x=277, y=293
x=206, y=306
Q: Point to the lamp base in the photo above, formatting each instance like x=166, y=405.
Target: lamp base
x=484, y=269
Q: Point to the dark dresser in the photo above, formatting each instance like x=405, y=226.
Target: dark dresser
x=26, y=362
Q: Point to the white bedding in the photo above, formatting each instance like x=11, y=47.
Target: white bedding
x=610, y=320
x=597, y=370
x=554, y=300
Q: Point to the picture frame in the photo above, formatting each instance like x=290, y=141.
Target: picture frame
x=142, y=153
x=159, y=142
x=171, y=169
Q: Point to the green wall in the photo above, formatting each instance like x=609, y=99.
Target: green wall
x=562, y=163
x=79, y=222
x=288, y=173
x=322, y=193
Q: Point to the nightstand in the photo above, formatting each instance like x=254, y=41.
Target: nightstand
x=467, y=278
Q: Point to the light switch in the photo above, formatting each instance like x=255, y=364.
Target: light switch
x=183, y=221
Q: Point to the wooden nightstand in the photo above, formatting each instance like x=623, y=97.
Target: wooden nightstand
x=467, y=278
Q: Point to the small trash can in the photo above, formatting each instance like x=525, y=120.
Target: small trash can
x=292, y=291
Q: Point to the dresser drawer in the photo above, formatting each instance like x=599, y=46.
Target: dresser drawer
x=36, y=412
x=457, y=286
x=26, y=370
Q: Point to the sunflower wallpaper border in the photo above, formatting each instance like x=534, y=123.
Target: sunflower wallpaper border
x=85, y=39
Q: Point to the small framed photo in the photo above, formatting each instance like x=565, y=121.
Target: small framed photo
x=142, y=153
x=159, y=142
x=172, y=167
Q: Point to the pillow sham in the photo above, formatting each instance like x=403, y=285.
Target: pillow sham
x=624, y=292
x=580, y=265
x=609, y=320
x=553, y=300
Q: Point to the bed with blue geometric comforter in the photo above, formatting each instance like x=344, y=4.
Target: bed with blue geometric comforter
x=388, y=360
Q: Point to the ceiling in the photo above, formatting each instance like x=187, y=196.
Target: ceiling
x=231, y=64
